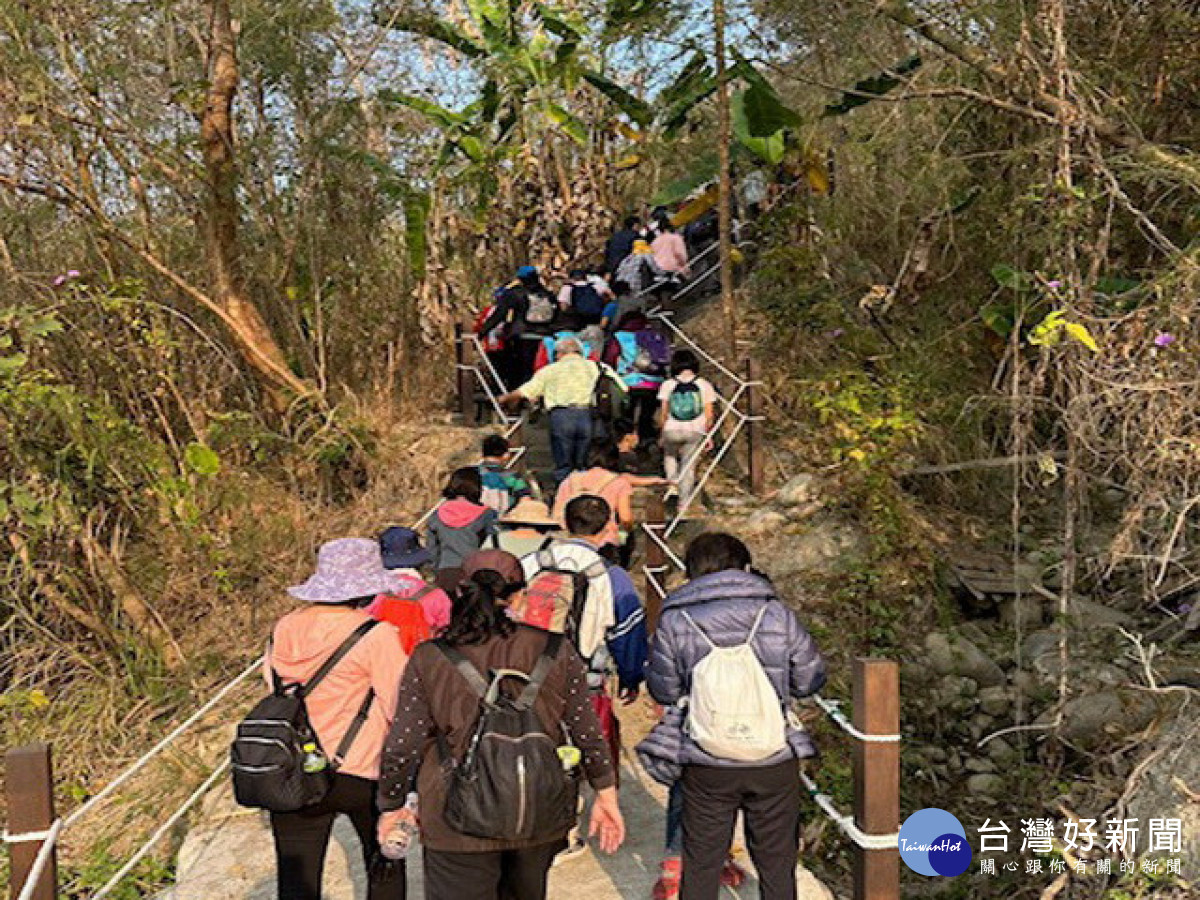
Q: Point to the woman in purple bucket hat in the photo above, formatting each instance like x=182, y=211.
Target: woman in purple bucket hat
x=351, y=709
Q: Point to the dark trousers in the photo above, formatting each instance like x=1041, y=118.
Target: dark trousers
x=524, y=355
x=643, y=405
x=501, y=875
x=301, y=839
x=769, y=798
x=570, y=439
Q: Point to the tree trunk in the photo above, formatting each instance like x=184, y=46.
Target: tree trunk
x=725, y=182
x=219, y=227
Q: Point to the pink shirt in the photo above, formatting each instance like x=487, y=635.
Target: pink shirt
x=303, y=640
x=670, y=252
x=600, y=483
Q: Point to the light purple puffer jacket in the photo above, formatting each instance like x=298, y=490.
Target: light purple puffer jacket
x=724, y=605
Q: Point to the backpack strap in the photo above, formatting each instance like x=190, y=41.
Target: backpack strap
x=538, y=676
x=546, y=545
x=757, y=621
x=360, y=719
x=465, y=668
x=338, y=655
x=423, y=592
x=687, y=615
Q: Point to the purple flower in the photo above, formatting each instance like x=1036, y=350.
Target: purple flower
x=835, y=333
x=60, y=280
x=1164, y=339
x=74, y=273
x=1054, y=285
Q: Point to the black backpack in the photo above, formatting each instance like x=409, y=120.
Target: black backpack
x=510, y=784
x=587, y=302
x=268, y=753
x=608, y=399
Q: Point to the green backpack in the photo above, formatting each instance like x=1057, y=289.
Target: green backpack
x=687, y=402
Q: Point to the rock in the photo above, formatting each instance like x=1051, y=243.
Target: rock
x=1038, y=644
x=957, y=656
x=763, y=522
x=801, y=490
x=826, y=548
x=1024, y=612
x=1096, y=719
x=1166, y=788
x=994, y=701
x=988, y=785
x=973, y=632
x=1085, y=614
x=1001, y=751
x=979, y=765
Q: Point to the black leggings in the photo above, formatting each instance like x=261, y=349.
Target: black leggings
x=301, y=839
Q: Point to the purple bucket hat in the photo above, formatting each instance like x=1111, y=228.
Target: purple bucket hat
x=346, y=568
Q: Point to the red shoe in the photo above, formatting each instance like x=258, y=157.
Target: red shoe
x=667, y=886
x=732, y=875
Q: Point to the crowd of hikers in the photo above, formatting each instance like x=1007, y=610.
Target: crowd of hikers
x=462, y=684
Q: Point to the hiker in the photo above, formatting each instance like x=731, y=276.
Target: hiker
x=603, y=478
x=566, y=388
x=502, y=487
x=688, y=416
x=643, y=277
x=526, y=528
x=584, y=299
x=493, y=343
x=607, y=625
x=459, y=526
x=670, y=250
x=469, y=855
x=350, y=710
x=620, y=245
x=591, y=341
x=640, y=353
x=417, y=609
x=526, y=312
x=738, y=748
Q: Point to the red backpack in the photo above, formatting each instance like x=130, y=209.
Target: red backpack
x=407, y=614
x=555, y=597
x=492, y=341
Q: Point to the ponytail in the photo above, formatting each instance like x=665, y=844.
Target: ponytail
x=478, y=612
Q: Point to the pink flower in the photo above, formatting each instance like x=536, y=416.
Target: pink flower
x=1164, y=339
x=1054, y=285
x=74, y=273
x=60, y=280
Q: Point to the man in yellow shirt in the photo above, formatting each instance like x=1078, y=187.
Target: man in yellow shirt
x=567, y=389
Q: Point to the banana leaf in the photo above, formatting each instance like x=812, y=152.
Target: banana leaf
x=638, y=110
x=770, y=148
x=416, y=217
x=871, y=88
x=432, y=27
x=439, y=114
x=765, y=113
x=570, y=124
x=679, y=190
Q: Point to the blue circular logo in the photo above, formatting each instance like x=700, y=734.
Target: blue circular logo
x=933, y=842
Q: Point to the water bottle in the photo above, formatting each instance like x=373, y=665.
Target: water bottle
x=314, y=759
x=570, y=757
x=398, y=841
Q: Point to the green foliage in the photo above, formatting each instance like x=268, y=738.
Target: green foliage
x=874, y=87
x=869, y=422
x=148, y=878
x=201, y=459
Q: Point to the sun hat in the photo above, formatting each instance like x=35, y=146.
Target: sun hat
x=528, y=512
x=402, y=549
x=502, y=563
x=346, y=569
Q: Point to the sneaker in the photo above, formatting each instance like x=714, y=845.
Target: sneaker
x=732, y=875
x=667, y=886
x=576, y=847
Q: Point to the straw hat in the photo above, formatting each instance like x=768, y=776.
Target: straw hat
x=529, y=512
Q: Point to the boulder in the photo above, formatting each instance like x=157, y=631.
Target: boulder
x=953, y=655
x=1167, y=788
x=824, y=547
x=988, y=785
x=1024, y=612
x=1001, y=751
x=801, y=490
x=994, y=701
x=1096, y=719
x=1086, y=614
x=763, y=522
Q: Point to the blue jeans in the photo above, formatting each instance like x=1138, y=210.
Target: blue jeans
x=675, y=820
x=570, y=439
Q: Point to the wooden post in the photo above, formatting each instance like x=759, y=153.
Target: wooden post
x=876, y=776
x=466, y=378
x=30, y=785
x=656, y=519
x=754, y=428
